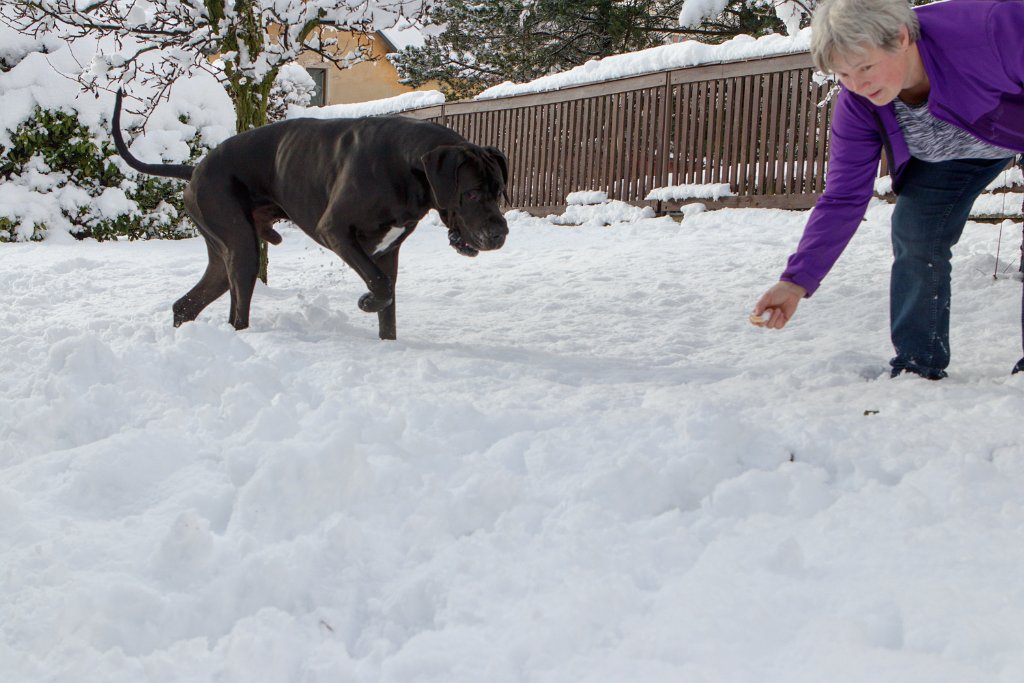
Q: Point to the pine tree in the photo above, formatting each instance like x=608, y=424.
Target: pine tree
x=486, y=42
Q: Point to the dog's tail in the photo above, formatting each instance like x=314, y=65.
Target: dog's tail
x=182, y=171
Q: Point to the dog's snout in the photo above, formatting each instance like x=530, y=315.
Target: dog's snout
x=496, y=234
x=497, y=241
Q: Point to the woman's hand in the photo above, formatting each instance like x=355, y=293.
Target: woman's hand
x=779, y=303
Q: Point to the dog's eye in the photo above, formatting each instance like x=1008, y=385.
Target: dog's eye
x=473, y=195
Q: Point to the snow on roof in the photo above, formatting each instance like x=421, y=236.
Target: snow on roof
x=403, y=37
x=389, y=105
x=677, y=55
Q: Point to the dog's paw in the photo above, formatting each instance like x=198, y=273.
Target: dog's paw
x=371, y=304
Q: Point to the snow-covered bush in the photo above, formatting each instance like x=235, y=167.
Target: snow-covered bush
x=57, y=175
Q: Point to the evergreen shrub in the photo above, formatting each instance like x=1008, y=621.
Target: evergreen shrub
x=53, y=153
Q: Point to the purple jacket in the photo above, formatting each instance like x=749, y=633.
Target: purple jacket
x=973, y=53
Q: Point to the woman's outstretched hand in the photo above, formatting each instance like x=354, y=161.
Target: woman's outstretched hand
x=779, y=303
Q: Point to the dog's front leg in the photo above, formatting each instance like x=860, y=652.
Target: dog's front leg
x=344, y=244
x=386, y=319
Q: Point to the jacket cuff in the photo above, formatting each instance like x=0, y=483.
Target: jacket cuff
x=808, y=283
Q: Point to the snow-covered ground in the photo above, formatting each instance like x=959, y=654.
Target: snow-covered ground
x=579, y=462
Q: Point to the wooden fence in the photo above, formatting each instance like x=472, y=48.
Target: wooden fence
x=759, y=126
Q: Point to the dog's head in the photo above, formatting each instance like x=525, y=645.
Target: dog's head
x=466, y=184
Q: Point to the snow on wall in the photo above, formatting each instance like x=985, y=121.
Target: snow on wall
x=675, y=56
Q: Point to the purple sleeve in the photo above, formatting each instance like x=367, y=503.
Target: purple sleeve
x=1007, y=26
x=855, y=149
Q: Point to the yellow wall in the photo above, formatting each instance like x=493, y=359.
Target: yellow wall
x=363, y=82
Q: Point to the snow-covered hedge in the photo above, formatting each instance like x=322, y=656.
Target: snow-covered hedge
x=59, y=172
x=58, y=175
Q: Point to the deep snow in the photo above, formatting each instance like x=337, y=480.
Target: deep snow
x=579, y=462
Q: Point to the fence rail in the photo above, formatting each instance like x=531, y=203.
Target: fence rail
x=758, y=126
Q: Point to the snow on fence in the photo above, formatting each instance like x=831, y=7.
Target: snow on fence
x=756, y=126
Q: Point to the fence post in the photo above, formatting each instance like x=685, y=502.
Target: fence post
x=663, y=145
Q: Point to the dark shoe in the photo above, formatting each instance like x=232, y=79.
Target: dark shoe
x=1019, y=367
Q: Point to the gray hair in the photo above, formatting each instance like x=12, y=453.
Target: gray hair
x=850, y=27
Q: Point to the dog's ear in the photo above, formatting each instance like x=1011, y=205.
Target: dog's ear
x=441, y=166
x=502, y=160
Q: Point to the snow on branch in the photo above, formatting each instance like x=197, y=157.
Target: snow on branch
x=789, y=12
x=241, y=42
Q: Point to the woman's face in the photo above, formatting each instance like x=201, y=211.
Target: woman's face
x=877, y=74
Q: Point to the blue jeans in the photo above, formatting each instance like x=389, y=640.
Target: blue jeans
x=932, y=207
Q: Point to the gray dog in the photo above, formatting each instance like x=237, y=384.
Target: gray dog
x=356, y=186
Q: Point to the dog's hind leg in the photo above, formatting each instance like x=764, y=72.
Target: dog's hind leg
x=243, y=269
x=239, y=276
x=210, y=287
x=232, y=247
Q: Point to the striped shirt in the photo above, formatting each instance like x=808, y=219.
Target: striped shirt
x=931, y=139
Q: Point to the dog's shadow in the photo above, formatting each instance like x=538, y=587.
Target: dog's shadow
x=318, y=320
x=568, y=369
x=325, y=326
